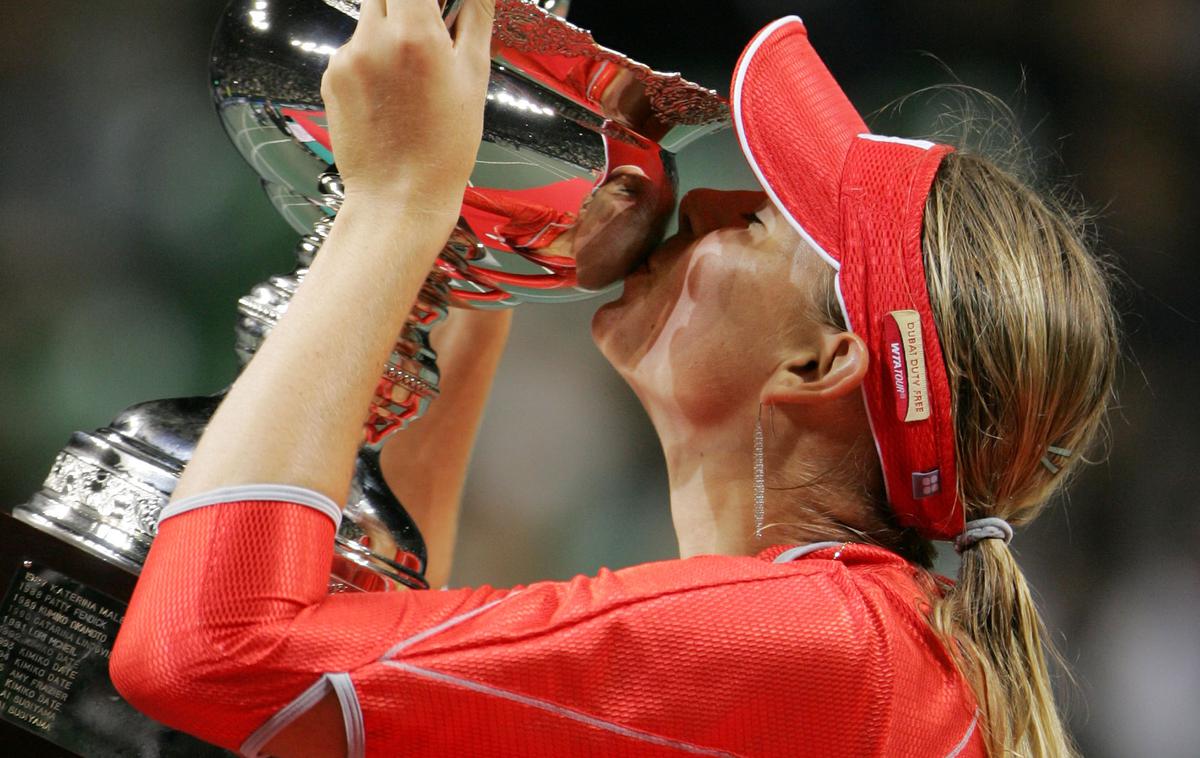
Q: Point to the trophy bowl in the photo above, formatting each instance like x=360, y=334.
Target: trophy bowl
x=576, y=176
x=584, y=157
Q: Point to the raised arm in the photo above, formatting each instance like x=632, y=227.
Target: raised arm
x=217, y=631
x=405, y=103
x=426, y=464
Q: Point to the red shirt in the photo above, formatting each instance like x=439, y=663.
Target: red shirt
x=711, y=655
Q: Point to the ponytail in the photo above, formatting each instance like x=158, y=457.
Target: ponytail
x=990, y=624
x=1029, y=337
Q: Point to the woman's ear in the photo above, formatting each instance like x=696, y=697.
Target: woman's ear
x=830, y=369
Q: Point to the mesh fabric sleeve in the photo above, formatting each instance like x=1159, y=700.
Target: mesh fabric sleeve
x=231, y=625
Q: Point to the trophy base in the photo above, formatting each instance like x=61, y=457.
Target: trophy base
x=59, y=615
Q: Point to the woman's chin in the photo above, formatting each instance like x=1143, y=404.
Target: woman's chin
x=609, y=330
x=624, y=328
x=602, y=323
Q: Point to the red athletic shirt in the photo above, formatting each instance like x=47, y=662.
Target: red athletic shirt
x=231, y=634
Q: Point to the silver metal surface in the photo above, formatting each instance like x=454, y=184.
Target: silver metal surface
x=575, y=179
x=584, y=157
x=106, y=489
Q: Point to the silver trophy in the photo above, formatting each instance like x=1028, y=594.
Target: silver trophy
x=574, y=182
x=585, y=155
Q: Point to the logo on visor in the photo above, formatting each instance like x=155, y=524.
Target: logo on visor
x=926, y=483
x=904, y=363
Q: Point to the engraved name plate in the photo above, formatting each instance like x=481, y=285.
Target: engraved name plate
x=56, y=634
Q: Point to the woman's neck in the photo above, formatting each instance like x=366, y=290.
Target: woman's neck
x=814, y=482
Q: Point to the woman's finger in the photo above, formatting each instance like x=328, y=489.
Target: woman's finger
x=473, y=29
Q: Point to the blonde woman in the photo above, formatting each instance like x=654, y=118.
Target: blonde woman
x=906, y=331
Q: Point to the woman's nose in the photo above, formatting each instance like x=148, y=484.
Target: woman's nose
x=704, y=210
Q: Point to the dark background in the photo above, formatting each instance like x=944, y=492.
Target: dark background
x=129, y=227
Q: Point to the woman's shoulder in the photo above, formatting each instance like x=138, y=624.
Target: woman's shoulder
x=705, y=646
x=844, y=607
x=832, y=637
x=843, y=568
x=853, y=589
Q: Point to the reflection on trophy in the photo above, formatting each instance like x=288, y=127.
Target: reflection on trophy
x=585, y=154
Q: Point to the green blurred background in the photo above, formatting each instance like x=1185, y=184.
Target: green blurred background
x=129, y=227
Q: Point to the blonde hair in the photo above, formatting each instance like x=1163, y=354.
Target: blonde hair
x=1029, y=337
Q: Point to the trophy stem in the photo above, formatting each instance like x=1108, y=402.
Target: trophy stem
x=410, y=379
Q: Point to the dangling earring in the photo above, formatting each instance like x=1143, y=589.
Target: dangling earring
x=760, y=480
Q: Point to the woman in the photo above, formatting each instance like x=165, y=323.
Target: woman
x=800, y=619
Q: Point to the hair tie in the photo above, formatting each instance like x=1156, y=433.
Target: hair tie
x=983, y=529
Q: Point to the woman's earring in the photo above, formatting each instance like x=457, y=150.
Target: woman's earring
x=760, y=480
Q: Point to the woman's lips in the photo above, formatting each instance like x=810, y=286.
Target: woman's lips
x=648, y=266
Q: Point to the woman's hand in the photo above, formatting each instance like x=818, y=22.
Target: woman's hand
x=405, y=99
x=405, y=103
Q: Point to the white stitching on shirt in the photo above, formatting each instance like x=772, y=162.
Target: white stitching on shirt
x=966, y=738
x=559, y=710
x=795, y=553
x=284, y=717
x=419, y=636
x=352, y=716
x=241, y=492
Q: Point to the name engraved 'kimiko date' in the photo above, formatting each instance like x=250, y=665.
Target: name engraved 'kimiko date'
x=47, y=631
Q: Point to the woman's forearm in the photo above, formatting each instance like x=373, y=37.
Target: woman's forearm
x=426, y=464
x=404, y=100
x=295, y=415
x=231, y=620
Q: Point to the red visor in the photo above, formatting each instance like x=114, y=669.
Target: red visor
x=859, y=199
